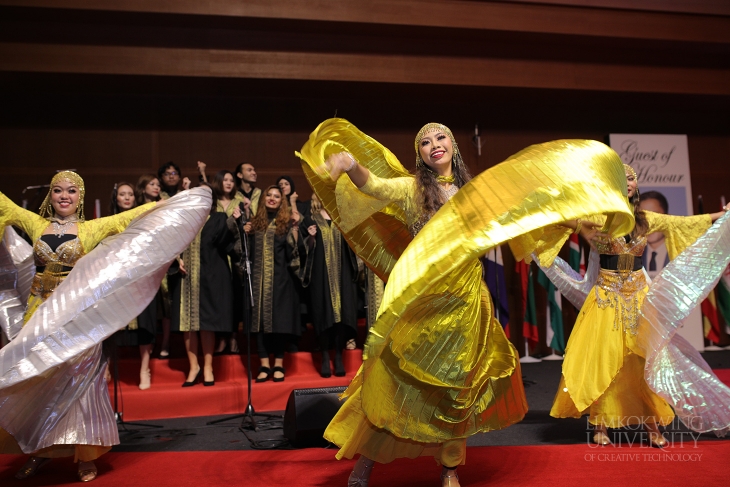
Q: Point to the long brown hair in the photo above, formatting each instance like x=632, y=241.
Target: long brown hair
x=641, y=226
x=113, y=205
x=142, y=183
x=261, y=221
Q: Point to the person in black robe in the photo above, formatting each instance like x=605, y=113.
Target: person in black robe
x=274, y=242
x=330, y=275
x=202, y=293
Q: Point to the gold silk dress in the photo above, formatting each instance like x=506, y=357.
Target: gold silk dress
x=603, y=370
x=56, y=263
x=437, y=366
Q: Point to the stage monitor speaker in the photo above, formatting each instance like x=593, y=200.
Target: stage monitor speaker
x=308, y=412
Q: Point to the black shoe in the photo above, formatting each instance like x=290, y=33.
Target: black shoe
x=194, y=381
x=208, y=383
x=266, y=371
x=325, y=371
x=339, y=366
x=278, y=379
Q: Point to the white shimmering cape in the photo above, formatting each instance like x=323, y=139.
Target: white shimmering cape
x=52, y=389
x=16, y=274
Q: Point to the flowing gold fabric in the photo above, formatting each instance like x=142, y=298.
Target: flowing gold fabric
x=437, y=366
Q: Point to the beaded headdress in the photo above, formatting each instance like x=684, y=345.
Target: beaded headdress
x=432, y=127
x=47, y=210
x=630, y=170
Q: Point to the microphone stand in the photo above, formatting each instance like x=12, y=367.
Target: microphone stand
x=249, y=413
x=115, y=377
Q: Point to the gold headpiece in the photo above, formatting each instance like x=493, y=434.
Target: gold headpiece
x=47, y=210
x=432, y=127
x=630, y=170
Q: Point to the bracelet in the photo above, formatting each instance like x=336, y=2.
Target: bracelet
x=352, y=164
x=578, y=226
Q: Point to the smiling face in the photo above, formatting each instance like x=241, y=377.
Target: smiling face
x=152, y=190
x=272, y=200
x=64, y=198
x=247, y=174
x=125, y=197
x=437, y=151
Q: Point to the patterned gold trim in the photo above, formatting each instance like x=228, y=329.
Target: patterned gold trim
x=332, y=242
x=622, y=294
x=190, y=288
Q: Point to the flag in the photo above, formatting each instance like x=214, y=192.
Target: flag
x=576, y=258
x=529, y=321
x=710, y=318
x=555, y=333
x=722, y=292
x=493, y=275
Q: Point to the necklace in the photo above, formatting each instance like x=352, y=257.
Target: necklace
x=448, y=193
x=60, y=226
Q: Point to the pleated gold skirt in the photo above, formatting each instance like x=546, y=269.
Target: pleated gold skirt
x=603, y=371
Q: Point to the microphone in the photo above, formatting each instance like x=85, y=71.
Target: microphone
x=242, y=218
x=39, y=186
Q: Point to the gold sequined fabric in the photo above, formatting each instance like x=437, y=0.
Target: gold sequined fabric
x=66, y=255
x=437, y=365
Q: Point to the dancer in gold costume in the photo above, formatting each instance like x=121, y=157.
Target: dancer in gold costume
x=603, y=371
x=61, y=237
x=437, y=366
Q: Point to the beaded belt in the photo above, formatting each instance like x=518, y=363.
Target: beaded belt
x=622, y=293
x=46, y=282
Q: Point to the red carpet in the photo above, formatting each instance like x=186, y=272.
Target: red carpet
x=705, y=465
x=167, y=399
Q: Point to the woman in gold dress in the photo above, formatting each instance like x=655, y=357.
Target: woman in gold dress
x=61, y=237
x=603, y=371
x=437, y=366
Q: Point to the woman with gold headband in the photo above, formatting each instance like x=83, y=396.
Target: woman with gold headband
x=61, y=237
x=437, y=366
x=603, y=371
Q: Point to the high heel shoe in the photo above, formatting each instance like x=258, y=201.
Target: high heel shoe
x=191, y=383
x=601, y=438
x=278, y=369
x=360, y=474
x=449, y=477
x=145, y=379
x=87, y=471
x=31, y=467
x=657, y=440
x=263, y=370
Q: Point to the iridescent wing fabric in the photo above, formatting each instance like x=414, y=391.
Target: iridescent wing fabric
x=16, y=273
x=51, y=381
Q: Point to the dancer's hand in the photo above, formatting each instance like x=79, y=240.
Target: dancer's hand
x=339, y=163
x=247, y=227
x=236, y=212
x=186, y=183
x=592, y=233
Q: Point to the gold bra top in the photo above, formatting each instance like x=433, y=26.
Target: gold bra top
x=619, y=246
x=66, y=254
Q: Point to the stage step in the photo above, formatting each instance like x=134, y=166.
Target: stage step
x=168, y=399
